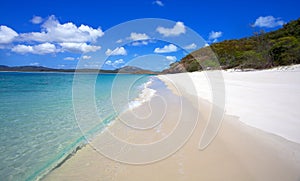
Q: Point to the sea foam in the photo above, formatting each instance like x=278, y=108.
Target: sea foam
x=146, y=94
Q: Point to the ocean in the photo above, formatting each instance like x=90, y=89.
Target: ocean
x=38, y=129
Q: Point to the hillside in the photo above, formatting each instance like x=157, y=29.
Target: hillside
x=126, y=69
x=25, y=68
x=134, y=70
x=260, y=51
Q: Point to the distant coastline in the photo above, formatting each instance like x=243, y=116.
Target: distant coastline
x=126, y=69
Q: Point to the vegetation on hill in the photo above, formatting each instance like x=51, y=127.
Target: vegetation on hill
x=263, y=50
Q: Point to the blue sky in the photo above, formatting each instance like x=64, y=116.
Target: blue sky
x=59, y=34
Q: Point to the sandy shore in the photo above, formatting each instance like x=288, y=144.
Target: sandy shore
x=238, y=152
x=267, y=99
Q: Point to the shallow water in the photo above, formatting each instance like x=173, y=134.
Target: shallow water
x=38, y=128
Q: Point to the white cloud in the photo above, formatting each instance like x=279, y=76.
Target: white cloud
x=178, y=29
x=190, y=47
x=36, y=20
x=120, y=61
x=53, y=31
x=44, y=48
x=69, y=58
x=138, y=43
x=166, y=49
x=92, y=64
x=268, y=22
x=22, y=49
x=7, y=35
x=86, y=57
x=171, y=58
x=79, y=47
x=54, y=37
x=215, y=35
x=158, y=2
x=115, y=63
x=116, y=51
x=138, y=36
x=34, y=64
x=108, y=62
x=119, y=41
x=40, y=49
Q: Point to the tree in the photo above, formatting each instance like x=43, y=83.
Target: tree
x=286, y=50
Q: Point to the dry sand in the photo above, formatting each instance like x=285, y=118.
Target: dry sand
x=238, y=152
x=267, y=99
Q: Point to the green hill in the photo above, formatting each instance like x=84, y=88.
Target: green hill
x=260, y=51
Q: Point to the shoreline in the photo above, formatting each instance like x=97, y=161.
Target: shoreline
x=238, y=151
x=82, y=141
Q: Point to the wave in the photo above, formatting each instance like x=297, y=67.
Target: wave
x=146, y=94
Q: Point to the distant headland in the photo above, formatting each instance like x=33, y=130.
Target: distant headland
x=125, y=69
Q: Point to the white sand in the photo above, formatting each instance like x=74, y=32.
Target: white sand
x=268, y=99
x=238, y=152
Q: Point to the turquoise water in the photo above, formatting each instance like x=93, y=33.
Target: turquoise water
x=38, y=129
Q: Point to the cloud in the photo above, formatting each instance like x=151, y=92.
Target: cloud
x=171, y=58
x=138, y=36
x=108, y=62
x=44, y=48
x=178, y=29
x=159, y=3
x=139, y=39
x=215, y=35
x=268, y=22
x=92, y=64
x=190, y=47
x=40, y=49
x=79, y=47
x=54, y=31
x=36, y=20
x=119, y=41
x=34, y=64
x=86, y=57
x=7, y=35
x=22, y=49
x=166, y=49
x=114, y=63
x=54, y=37
x=116, y=51
x=69, y=58
x=138, y=43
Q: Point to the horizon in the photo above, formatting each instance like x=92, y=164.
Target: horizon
x=39, y=66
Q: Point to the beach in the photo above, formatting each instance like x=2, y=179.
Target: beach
x=257, y=138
